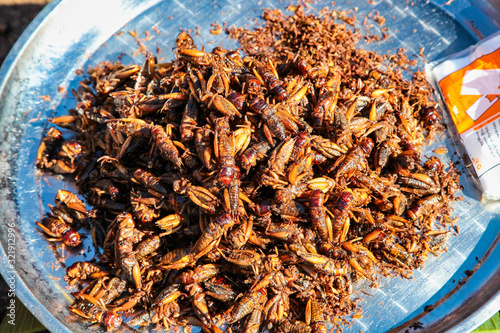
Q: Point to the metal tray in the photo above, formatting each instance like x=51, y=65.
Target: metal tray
x=455, y=292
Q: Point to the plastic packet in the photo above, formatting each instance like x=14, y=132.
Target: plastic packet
x=469, y=85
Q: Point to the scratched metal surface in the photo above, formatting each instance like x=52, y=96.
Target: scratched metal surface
x=69, y=35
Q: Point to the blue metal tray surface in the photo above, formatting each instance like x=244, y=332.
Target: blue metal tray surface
x=454, y=292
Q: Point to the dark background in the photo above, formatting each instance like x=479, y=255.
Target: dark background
x=15, y=15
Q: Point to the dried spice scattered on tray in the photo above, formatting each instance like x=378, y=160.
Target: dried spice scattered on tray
x=249, y=191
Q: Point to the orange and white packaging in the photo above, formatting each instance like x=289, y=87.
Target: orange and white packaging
x=469, y=83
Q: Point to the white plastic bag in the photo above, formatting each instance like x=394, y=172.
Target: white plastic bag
x=469, y=84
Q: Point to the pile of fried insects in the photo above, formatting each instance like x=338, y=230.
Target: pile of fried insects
x=249, y=192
